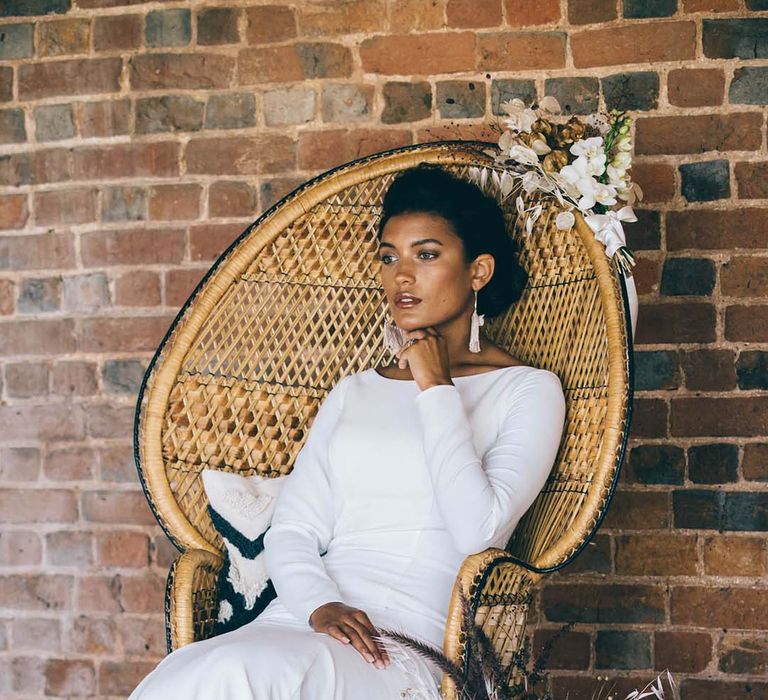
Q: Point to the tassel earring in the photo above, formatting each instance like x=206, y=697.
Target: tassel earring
x=393, y=337
x=474, y=329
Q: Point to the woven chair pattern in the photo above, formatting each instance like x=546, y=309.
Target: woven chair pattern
x=294, y=305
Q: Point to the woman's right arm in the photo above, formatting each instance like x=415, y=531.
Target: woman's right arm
x=302, y=522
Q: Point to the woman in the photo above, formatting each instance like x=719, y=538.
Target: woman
x=407, y=469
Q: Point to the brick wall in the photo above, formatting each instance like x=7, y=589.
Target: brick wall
x=138, y=139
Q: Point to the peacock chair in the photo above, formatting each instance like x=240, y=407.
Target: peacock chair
x=294, y=304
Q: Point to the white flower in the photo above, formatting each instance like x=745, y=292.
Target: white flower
x=523, y=154
x=565, y=220
x=605, y=194
x=550, y=104
x=521, y=118
x=591, y=147
x=540, y=147
x=622, y=160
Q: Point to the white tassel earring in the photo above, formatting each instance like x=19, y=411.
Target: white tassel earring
x=474, y=329
x=393, y=337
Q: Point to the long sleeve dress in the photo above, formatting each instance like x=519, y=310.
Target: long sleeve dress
x=392, y=489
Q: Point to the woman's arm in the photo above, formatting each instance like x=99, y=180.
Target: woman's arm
x=483, y=499
x=302, y=523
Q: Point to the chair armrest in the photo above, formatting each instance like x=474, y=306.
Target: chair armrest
x=498, y=588
x=190, y=597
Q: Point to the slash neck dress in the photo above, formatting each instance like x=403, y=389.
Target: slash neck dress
x=392, y=489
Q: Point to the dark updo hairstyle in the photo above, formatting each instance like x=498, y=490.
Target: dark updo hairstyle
x=476, y=218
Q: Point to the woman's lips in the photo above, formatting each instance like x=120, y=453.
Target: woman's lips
x=407, y=303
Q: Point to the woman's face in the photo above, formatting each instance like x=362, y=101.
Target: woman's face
x=422, y=257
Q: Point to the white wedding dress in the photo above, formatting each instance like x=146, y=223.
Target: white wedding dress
x=393, y=488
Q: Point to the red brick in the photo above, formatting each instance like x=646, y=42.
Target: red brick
x=462, y=131
x=19, y=463
x=591, y=11
x=744, y=276
x=43, y=251
x=165, y=552
x=69, y=548
x=718, y=416
x=696, y=87
x=682, y=652
x=228, y=199
x=647, y=274
x=744, y=654
x=158, y=159
x=274, y=189
x=414, y=15
x=755, y=462
x=105, y=118
x=39, y=592
x=15, y=169
x=270, y=23
x=124, y=507
x=698, y=133
x=143, y=594
x=120, y=678
x=522, y=13
x=123, y=334
x=138, y=288
x=688, y=322
x=42, y=634
x=657, y=180
x=320, y=150
x=38, y=505
x=730, y=555
x=174, y=202
x=706, y=229
x=569, y=650
x=94, y=635
x=752, y=179
x=14, y=211
x=7, y=297
x=178, y=71
x=132, y=247
x=656, y=555
x=419, y=54
x=466, y=13
x=63, y=37
x=747, y=323
x=300, y=61
x=109, y=420
x=326, y=17
x=26, y=379
x=709, y=370
x=711, y=5
x=142, y=636
x=117, y=464
x=241, y=155
x=75, y=378
x=649, y=418
x=638, y=510
x=123, y=549
x=6, y=83
x=209, y=241
x=649, y=42
x=69, y=677
x=68, y=206
x=70, y=464
x=603, y=603
x=37, y=337
x=180, y=283
x=117, y=32
x=69, y=77
x=728, y=607
x=521, y=51
x=99, y=594
x=20, y=548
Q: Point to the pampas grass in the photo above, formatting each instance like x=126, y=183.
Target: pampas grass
x=486, y=678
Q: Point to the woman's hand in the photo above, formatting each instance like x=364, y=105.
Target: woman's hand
x=427, y=357
x=350, y=626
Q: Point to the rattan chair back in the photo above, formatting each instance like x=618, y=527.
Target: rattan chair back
x=294, y=304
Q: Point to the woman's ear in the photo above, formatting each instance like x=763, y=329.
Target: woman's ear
x=482, y=269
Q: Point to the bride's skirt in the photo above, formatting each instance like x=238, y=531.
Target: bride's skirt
x=277, y=657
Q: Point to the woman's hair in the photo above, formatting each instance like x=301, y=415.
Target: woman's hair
x=476, y=218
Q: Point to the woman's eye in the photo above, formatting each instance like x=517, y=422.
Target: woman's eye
x=384, y=259
x=428, y=252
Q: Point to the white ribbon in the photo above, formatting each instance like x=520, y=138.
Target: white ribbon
x=608, y=229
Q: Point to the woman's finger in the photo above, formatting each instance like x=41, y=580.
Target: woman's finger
x=358, y=642
x=365, y=635
x=372, y=631
x=336, y=632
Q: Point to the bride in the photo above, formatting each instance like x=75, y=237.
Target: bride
x=407, y=469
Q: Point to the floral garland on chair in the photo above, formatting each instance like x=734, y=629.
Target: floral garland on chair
x=583, y=164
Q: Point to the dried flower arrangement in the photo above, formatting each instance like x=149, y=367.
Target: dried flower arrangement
x=584, y=164
x=485, y=677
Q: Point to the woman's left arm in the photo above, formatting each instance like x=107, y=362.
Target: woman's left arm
x=483, y=499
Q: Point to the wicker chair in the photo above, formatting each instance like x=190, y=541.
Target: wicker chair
x=294, y=304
